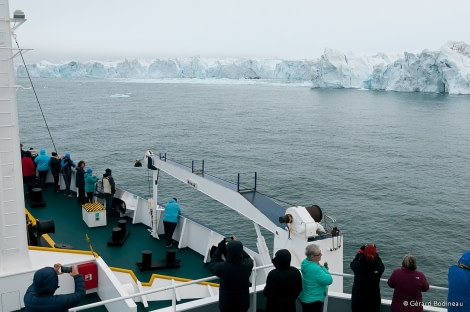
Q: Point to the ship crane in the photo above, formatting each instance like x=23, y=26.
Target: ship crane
x=293, y=228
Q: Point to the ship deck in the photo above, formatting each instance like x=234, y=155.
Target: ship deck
x=71, y=232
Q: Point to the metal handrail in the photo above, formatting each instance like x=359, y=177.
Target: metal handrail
x=173, y=287
x=385, y=280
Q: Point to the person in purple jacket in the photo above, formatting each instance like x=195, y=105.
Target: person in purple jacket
x=408, y=283
x=39, y=297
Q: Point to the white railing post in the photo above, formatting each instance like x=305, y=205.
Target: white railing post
x=325, y=301
x=173, y=298
x=254, y=285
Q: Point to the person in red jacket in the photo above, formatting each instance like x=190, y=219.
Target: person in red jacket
x=408, y=283
x=29, y=171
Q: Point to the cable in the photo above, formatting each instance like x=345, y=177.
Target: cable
x=35, y=94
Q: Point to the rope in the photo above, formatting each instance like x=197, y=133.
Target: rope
x=87, y=238
x=35, y=94
x=149, y=183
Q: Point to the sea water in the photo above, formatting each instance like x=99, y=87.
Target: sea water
x=392, y=168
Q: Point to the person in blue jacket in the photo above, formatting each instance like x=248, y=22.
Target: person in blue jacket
x=39, y=296
x=170, y=220
x=458, y=299
x=42, y=162
x=66, y=165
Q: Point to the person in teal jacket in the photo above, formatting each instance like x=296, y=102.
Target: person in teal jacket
x=170, y=220
x=42, y=164
x=90, y=182
x=315, y=280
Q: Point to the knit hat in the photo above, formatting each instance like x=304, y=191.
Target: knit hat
x=54, y=154
x=67, y=155
x=89, y=171
x=370, y=252
x=108, y=171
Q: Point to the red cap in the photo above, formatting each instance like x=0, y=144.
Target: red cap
x=370, y=252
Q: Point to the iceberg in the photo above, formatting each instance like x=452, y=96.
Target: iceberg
x=446, y=70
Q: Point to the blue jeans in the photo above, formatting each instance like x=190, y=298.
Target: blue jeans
x=42, y=178
x=109, y=202
x=67, y=180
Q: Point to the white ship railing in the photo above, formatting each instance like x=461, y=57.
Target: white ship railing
x=207, y=279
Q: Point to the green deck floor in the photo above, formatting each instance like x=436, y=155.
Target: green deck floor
x=70, y=229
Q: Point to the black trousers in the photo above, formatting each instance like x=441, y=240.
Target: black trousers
x=56, y=182
x=81, y=195
x=169, y=228
x=316, y=306
x=90, y=196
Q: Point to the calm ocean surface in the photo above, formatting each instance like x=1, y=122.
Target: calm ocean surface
x=392, y=168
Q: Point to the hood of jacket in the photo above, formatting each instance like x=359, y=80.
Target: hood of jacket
x=282, y=259
x=234, y=251
x=42, y=152
x=46, y=281
x=465, y=259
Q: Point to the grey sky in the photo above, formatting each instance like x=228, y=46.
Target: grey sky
x=61, y=30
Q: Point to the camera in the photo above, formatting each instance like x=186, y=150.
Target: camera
x=228, y=239
x=66, y=269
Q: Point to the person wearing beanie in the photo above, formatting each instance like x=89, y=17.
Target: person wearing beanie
x=39, y=296
x=458, y=298
x=283, y=284
x=54, y=164
x=408, y=284
x=368, y=268
x=234, y=274
x=66, y=165
x=90, y=183
x=109, y=189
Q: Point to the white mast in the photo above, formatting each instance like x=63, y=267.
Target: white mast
x=14, y=253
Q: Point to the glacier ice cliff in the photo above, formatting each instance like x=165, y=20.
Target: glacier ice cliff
x=446, y=70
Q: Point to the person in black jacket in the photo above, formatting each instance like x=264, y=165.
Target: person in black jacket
x=283, y=284
x=39, y=297
x=109, y=189
x=234, y=274
x=55, y=170
x=368, y=268
x=80, y=181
